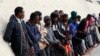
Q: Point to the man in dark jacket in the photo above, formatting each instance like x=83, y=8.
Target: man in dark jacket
x=33, y=32
x=16, y=34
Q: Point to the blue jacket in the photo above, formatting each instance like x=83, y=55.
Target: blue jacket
x=73, y=28
x=34, y=35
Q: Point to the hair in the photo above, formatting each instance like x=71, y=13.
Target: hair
x=56, y=11
x=54, y=15
x=18, y=10
x=38, y=12
x=47, y=18
x=33, y=16
x=88, y=16
x=79, y=17
x=64, y=15
x=60, y=11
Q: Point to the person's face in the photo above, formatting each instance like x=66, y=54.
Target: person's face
x=48, y=22
x=21, y=15
x=79, y=18
x=36, y=20
x=62, y=13
x=55, y=19
x=76, y=20
x=65, y=19
x=40, y=18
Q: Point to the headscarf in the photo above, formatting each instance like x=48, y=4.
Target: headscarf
x=73, y=15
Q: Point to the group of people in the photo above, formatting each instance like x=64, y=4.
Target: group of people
x=59, y=36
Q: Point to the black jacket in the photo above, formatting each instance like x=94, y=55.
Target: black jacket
x=81, y=28
x=13, y=36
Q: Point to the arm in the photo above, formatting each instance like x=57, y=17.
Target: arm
x=51, y=41
x=57, y=32
x=29, y=39
x=8, y=32
x=60, y=33
x=33, y=37
x=72, y=30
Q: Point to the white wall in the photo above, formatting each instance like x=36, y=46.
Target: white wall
x=45, y=6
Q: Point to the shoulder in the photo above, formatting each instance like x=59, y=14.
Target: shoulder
x=71, y=24
x=27, y=25
x=11, y=23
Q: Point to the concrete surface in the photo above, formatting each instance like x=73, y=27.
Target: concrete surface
x=94, y=52
x=46, y=7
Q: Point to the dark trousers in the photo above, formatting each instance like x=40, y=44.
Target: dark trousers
x=86, y=43
x=78, y=50
x=57, y=51
x=47, y=50
x=38, y=54
x=95, y=37
x=41, y=53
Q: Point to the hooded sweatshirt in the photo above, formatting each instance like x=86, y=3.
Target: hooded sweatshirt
x=73, y=15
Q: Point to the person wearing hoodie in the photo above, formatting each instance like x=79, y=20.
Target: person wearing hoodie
x=75, y=40
x=73, y=15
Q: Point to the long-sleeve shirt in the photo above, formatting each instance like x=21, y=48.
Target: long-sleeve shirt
x=73, y=28
x=50, y=36
x=34, y=35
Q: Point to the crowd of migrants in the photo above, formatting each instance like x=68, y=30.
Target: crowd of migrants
x=59, y=36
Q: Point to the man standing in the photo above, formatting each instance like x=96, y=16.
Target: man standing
x=16, y=34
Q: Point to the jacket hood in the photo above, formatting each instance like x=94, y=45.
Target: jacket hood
x=73, y=13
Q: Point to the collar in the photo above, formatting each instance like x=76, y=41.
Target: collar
x=19, y=20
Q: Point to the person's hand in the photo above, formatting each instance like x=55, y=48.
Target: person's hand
x=58, y=41
x=61, y=45
x=43, y=32
x=32, y=49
